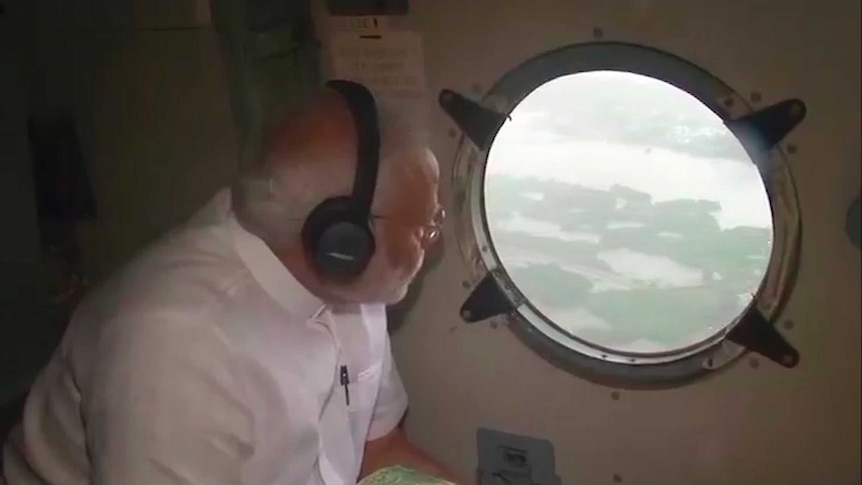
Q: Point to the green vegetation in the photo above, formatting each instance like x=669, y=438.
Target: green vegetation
x=672, y=314
x=730, y=262
x=552, y=285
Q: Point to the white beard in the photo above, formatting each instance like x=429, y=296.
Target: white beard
x=397, y=295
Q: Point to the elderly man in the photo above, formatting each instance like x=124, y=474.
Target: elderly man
x=232, y=352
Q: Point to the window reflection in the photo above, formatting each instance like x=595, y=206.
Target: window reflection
x=626, y=212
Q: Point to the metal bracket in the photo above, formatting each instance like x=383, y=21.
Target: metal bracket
x=508, y=459
x=485, y=301
x=479, y=123
x=767, y=127
x=757, y=334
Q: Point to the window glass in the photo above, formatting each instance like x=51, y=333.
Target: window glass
x=626, y=212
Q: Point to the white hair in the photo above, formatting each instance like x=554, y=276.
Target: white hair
x=273, y=200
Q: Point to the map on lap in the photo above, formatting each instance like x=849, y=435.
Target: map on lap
x=398, y=475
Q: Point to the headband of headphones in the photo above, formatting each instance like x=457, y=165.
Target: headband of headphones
x=364, y=111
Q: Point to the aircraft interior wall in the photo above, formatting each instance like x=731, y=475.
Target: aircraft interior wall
x=753, y=422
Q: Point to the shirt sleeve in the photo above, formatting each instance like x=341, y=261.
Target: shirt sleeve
x=392, y=399
x=165, y=407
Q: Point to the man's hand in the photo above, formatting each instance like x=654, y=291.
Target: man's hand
x=394, y=449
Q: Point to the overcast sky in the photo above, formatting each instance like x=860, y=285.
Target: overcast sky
x=606, y=104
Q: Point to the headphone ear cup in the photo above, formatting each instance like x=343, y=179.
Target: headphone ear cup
x=337, y=235
x=343, y=251
x=338, y=242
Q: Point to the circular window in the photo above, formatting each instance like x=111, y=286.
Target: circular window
x=639, y=223
x=628, y=224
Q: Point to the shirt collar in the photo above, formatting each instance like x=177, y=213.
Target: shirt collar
x=271, y=274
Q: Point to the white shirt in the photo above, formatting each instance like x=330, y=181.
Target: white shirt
x=205, y=362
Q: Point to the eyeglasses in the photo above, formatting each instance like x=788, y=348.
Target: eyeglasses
x=431, y=231
x=428, y=233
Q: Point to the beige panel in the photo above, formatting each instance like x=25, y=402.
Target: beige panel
x=157, y=132
x=744, y=426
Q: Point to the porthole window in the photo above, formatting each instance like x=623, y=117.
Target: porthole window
x=639, y=225
x=628, y=226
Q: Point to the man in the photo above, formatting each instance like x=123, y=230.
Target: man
x=222, y=356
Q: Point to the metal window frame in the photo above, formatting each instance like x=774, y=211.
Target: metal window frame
x=493, y=292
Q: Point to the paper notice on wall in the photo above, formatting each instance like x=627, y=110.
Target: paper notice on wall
x=390, y=64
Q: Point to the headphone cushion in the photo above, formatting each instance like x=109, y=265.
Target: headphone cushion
x=338, y=239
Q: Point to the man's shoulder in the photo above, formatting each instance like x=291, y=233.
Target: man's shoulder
x=164, y=304
x=184, y=276
x=192, y=263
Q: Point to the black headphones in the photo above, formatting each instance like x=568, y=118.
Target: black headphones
x=337, y=235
